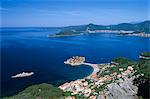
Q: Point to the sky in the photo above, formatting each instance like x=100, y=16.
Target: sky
x=55, y=13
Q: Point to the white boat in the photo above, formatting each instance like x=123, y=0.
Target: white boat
x=23, y=74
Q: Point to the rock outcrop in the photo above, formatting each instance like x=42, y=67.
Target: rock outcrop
x=120, y=90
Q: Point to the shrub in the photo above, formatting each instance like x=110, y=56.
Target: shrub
x=122, y=60
x=144, y=68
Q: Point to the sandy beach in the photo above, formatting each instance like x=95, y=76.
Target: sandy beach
x=94, y=66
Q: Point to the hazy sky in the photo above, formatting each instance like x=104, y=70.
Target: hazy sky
x=72, y=12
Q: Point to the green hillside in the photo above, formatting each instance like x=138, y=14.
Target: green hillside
x=40, y=91
x=138, y=27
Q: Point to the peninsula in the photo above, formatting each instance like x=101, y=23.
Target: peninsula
x=139, y=29
x=66, y=33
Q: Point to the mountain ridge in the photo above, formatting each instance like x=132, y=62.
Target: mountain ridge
x=137, y=27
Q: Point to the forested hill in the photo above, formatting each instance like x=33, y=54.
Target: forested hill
x=137, y=27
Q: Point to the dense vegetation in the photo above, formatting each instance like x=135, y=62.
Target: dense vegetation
x=40, y=91
x=122, y=61
x=144, y=68
x=143, y=82
x=66, y=33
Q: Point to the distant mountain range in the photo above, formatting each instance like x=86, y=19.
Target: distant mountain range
x=137, y=27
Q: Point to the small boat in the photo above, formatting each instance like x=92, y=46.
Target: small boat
x=23, y=74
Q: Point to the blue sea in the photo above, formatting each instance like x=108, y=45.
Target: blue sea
x=29, y=49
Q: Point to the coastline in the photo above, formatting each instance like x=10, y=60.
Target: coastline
x=95, y=68
x=125, y=34
x=96, y=82
x=104, y=78
x=65, y=35
x=107, y=32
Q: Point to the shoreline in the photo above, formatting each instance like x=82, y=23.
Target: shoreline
x=122, y=34
x=95, y=83
x=98, y=79
x=65, y=35
x=95, y=68
x=125, y=34
x=80, y=60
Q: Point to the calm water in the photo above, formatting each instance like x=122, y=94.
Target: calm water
x=29, y=49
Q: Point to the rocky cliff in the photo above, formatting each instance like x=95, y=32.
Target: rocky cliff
x=122, y=89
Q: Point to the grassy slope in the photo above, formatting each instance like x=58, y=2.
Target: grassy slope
x=41, y=91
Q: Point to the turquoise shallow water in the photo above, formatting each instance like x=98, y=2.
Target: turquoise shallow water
x=29, y=49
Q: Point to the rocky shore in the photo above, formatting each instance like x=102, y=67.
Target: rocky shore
x=75, y=60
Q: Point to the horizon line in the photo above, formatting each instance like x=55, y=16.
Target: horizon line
x=67, y=25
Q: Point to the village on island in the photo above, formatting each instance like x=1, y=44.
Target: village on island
x=103, y=74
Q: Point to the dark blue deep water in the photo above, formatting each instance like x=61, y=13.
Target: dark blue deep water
x=29, y=49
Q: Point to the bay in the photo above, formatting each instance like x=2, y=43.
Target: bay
x=29, y=49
